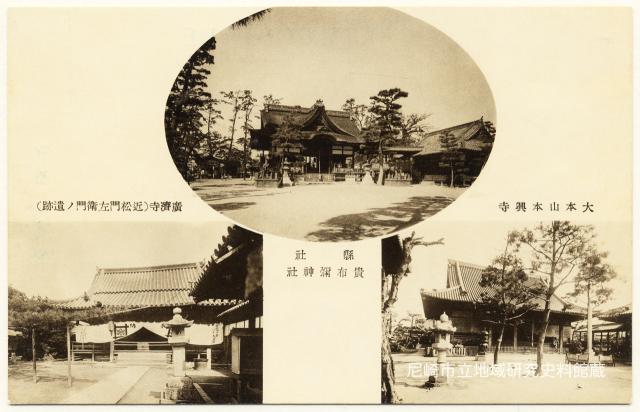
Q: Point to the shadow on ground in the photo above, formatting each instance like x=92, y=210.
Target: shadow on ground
x=25, y=374
x=379, y=221
x=225, y=207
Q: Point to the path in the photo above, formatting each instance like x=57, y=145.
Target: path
x=146, y=390
x=109, y=390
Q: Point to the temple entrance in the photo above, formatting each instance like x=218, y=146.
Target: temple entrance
x=142, y=347
x=320, y=148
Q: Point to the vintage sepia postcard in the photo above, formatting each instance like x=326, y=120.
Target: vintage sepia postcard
x=319, y=205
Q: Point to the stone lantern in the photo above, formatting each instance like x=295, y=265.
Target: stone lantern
x=179, y=387
x=286, y=181
x=443, y=329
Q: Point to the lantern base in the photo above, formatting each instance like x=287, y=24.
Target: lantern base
x=180, y=388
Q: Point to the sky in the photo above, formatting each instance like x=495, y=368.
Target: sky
x=304, y=54
x=480, y=242
x=59, y=259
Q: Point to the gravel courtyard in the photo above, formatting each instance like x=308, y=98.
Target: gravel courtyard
x=325, y=212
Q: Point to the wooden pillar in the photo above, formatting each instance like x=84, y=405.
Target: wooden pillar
x=33, y=354
x=93, y=352
x=561, y=338
x=112, y=345
x=490, y=337
x=208, y=358
x=515, y=338
x=69, y=355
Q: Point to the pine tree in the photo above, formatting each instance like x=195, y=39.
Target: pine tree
x=386, y=123
x=185, y=106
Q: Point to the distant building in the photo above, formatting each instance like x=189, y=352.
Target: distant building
x=611, y=332
x=475, y=142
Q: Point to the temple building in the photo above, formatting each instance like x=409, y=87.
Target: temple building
x=137, y=301
x=474, y=140
x=315, y=144
x=611, y=332
x=460, y=300
x=326, y=144
x=235, y=275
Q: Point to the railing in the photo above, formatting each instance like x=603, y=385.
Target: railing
x=121, y=346
x=438, y=179
x=523, y=348
x=456, y=351
x=93, y=351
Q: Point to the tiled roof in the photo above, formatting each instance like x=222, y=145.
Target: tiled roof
x=275, y=114
x=143, y=287
x=463, y=285
x=463, y=133
x=616, y=314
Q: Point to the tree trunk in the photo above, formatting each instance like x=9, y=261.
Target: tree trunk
x=388, y=392
x=233, y=127
x=33, y=354
x=542, y=332
x=496, y=349
x=589, y=324
x=69, y=354
x=244, y=151
x=381, y=172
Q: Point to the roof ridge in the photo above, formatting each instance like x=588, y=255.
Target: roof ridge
x=138, y=290
x=463, y=263
x=146, y=268
x=453, y=127
x=306, y=110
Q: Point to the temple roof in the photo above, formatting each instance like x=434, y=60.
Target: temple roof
x=467, y=135
x=148, y=286
x=314, y=121
x=275, y=114
x=619, y=314
x=463, y=285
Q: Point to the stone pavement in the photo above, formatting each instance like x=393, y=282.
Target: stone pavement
x=110, y=389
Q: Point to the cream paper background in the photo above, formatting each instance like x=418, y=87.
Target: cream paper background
x=86, y=95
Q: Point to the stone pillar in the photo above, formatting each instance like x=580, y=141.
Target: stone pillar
x=515, y=338
x=179, y=356
x=561, y=338
x=208, y=358
x=112, y=345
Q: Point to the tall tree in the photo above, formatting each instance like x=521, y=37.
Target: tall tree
x=244, y=22
x=413, y=127
x=591, y=284
x=269, y=99
x=185, y=106
x=452, y=157
x=247, y=103
x=358, y=112
x=399, y=253
x=556, y=251
x=386, y=122
x=508, y=293
x=233, y=99
x=213, y=138
x=42, y=320
x=285, y=137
